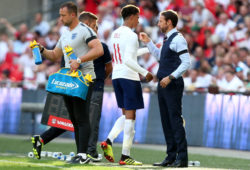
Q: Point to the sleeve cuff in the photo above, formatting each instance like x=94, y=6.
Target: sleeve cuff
x=175, y=75
x=150, y=44
x=145, y=73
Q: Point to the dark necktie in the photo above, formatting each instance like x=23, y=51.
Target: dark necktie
x=165, y=39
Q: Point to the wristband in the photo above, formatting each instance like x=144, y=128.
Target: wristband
x=41, y=51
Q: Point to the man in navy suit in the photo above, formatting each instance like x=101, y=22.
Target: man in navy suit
x=174, y=60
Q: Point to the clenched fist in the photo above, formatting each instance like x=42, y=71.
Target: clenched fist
x=144, y=37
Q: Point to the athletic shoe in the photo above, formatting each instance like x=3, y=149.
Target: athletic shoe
x=95, y=157
x=108, y=152
x=37, y=146
x=78, y=159
x=130, y=161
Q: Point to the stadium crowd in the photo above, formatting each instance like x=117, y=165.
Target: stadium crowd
x=217, y=32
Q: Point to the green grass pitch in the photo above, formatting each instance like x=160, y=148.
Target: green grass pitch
x=13, y=155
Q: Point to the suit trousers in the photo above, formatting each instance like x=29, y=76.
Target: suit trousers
x=170, y=103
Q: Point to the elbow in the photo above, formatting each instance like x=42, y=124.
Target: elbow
x=187, y=65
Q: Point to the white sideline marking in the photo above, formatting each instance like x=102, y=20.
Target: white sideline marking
x=28, y=163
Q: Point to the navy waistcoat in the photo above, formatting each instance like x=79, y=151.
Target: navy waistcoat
x=169, y=60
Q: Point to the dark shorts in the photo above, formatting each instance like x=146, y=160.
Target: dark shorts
x=128, y=94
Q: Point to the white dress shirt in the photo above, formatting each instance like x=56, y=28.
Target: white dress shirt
x=177, y=44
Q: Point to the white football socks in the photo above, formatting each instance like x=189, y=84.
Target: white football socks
x=128, y=136
x=117, y=128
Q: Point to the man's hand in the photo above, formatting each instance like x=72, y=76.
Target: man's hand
x=149, y=77
x=40, y=46
x=144, y=37
x=164, y=82
x=73, y=65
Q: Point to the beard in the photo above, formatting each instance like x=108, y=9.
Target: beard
x=164, y=29
x=67, y=24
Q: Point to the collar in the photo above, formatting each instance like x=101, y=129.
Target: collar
x=171, y=32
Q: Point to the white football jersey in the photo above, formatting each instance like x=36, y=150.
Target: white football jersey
x=124, y=47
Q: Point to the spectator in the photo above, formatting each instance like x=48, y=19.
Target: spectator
x=248, y=82
x=191, y=43
x=199, y=56
x=204, y=80
x=4, y=40
x=241, y=16
x=51, y=39
x=185, y=11
x=105, y=24
x=202, y=16
x=91, y=5
x=41, y=26
x=27, y=65
x=239, y=73
x=240, y=38
x=231, y=83
x=59, y=27
x=239, y=64
x=243, y=55
x=231, y=9
x=5, y=79
x=248, y=61
x=224, y=27
x=23, y=29
x=190, y=82
x=20, y=45
x=218, y=65
x=162, y=4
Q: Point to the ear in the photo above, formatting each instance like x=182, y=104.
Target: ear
x=73, y=14
x=169, y=22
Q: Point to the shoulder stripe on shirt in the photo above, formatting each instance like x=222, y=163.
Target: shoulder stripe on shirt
x=91, y=33
x=182, y=52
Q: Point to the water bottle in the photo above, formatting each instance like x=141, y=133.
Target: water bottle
x=72, y=154
x=49, y=154
x=31, y=155
x=197, y=163
x=68, y=158
x=64, y=157
x=194, y=163
x=70, y=53
x=43, y=153
x=56, y=154
x=36, y=52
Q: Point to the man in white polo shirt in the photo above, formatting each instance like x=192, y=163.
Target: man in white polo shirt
x=86, y=47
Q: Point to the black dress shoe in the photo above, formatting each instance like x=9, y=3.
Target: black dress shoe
x=165, y=162
x=179, y=163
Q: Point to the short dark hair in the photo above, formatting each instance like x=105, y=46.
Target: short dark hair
x=87, y=16
x=129, y=10
x=71, y=6
x=172, y=15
